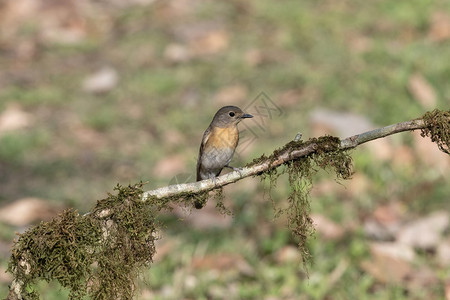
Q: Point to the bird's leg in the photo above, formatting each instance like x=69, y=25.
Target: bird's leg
x=235, y=169
x=213, y=177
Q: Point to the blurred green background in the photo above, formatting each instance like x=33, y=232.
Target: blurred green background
x=94, y=93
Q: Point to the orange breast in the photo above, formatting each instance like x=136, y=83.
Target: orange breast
x=227, y=137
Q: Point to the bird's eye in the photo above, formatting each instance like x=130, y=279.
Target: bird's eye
x=231, y=114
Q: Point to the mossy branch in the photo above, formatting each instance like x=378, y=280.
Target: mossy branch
x=100, y=254
x=289, y=152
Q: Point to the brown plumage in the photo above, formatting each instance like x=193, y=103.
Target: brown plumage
x=219, y=142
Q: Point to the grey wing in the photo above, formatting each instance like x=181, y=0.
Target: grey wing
x=202, y=145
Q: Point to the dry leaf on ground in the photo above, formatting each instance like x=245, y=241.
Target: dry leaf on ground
x=447, y=290
x=13, y=118
x=223, y=262
x=385, y=222
x=443, y=253
x=26, y=211
x=429, y=153
x=288, y=254
x=177, y=53
x=425, y=233
x=170, y=166
x=101, y=81
x=390, y=263
x=164, y=247
x=327, y=228
x=211, y=42
x=422, y=91
x=440, y=27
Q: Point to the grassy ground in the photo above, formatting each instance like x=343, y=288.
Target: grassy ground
x=177, y=64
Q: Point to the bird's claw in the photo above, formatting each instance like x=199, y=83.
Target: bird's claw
x=214, y=179
x=239, y=170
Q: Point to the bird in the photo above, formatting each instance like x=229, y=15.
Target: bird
x=219, y=143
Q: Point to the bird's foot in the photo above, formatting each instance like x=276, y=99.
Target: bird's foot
x=239, y=170
x=214, y=179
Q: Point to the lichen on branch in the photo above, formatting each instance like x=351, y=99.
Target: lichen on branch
x=301, y=171
x=90, y=255
x=438, y=128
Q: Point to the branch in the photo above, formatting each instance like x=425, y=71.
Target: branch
x=117, y=218
x=281, y=158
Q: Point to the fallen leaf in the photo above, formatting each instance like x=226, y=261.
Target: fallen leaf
x=359, y=184
x=381, y=149
x=394, y=250
x=26, y=211
x=388, y=263
x=287, y=254
x=26, y=50
x=422, y=91
x=403, y=157
x=173, y=10
x=326, y=187
x=447, y=290
x=360, y=44
x=164, y=247
x=421, y=278
x=429, y=153
x=223, y=262
x=253, y=57
x=174, y=137
x=379, y=232
x=390, y=213
x=13, y=14
x=63, y=21
x=130, y=3
x=170, y=166
x=177, y=53
x=87, y=137
x=327, y=228
x=439, y=27
x=13, y=118
x=385, y=222
x=101, y=81
x=426, y=232
x=443, y=253
x=211, y=42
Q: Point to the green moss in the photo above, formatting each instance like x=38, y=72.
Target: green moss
x=327, y=155
x=220, y=205
x=90, y=255
x=438, y=128
x=56, y=250
x=101, y=254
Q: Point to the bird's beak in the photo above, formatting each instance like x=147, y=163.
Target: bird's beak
x=244, y=116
